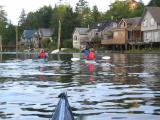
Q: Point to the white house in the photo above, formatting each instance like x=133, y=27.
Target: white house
x=150, y=25
x=80, y=37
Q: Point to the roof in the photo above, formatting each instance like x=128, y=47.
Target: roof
x=46, y=32
x=101, y=25
x=81, y=31
x=28, y=33
x=133, y=23
x=155, y=12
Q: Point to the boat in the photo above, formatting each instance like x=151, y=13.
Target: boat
x=63, y=110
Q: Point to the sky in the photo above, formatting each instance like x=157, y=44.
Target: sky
x=14, y=8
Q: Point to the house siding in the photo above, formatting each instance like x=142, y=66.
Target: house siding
x=147, y=21
x=151, y=32
x=120, y=36
x=80, y=41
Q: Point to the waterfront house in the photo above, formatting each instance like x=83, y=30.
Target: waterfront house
x=27, y=38
x=150, y=25
x=43, y=34
x=107, y=32
x=127, y=32
x=96, y=30
x=80, y=37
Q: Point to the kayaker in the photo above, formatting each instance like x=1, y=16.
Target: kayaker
x=86, y=53
x=91, y=55
x=42, y=54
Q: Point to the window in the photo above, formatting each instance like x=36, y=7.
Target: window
x=75, y=38
x=115, y=34
x=152, y=21
x=145, y=23
x=124, y=24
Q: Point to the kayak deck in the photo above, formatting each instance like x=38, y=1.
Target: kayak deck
x=63, y=110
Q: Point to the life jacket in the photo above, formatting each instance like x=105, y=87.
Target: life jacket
x=42, y=55
x=91, y=55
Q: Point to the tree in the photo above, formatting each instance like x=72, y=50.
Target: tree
x=22, y=18
x=118, y=10
x=39, y=19
x=3, y=20
x=83, y=13
x=96, y=16
x=154, y=3
x=44, y=15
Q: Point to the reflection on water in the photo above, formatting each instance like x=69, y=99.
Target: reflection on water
x=124, y=87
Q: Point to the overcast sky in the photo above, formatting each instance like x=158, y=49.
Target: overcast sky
x=14, y=7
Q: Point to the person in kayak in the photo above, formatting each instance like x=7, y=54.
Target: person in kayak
x=86, y=53
x=42, y=54
x=91, y=55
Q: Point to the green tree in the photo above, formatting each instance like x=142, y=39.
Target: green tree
x=31, y=21
x=9, y=38
x=83, y=13
x=22, y=18
x=154, y=3
x=3, y=20
x=118, y=10
x=138, y=11
x=96, y=15
x=39, y=19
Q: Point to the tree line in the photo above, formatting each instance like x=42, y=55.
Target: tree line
x=82, y=16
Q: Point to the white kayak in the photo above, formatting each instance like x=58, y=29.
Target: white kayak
x=89, y=61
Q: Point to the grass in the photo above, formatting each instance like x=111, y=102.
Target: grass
x=71, y=50
x=142, y=51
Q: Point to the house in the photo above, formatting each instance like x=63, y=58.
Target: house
x=27, y=38
x=127, y=32
x=80, y=37
x=107, y=31
x=43, y=34
x=96, y=30
x=150, y=25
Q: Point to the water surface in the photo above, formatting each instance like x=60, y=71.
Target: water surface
x=126, y=87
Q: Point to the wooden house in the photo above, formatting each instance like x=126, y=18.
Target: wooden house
x=150, y=25
x=80, y=37
x=127, y=32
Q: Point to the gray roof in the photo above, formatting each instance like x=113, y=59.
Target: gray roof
x=81, y=31
x=46, y=32
x=132, y=21
x=155, y=12
x=102, y=25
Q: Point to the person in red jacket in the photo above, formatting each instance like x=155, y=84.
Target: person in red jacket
x=42, y=54
x=91, y=55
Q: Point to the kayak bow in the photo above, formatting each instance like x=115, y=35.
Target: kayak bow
x=63, y=110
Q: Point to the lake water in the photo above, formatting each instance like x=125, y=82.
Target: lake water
x=125, y=87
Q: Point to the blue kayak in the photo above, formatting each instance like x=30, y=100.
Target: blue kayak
x=63, y=110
